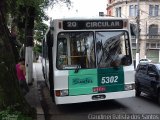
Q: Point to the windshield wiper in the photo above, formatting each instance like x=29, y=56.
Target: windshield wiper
x=77, y=69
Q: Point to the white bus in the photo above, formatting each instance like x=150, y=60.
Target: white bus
x=88, y=59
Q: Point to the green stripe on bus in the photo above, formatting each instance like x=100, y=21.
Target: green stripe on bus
x=82, y=82
x=111, y=78
x=90, y=81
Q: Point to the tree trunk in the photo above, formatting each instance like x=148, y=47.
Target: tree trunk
x=10, y=94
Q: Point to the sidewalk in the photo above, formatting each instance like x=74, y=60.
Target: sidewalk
x=33, y=97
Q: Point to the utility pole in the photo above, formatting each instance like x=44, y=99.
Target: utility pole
x=26, y=22
x=29, y=25
x=138, y=33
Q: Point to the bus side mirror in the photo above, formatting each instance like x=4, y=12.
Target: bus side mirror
x=50, y=39
x=133, y=29
x=126, y=60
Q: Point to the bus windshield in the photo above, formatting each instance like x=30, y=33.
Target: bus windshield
x=92, y=49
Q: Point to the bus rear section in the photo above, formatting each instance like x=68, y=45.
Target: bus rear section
x=94, y=85
x=92, y=61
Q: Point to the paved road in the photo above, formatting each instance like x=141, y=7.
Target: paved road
x=137, y=108
x=128, y=108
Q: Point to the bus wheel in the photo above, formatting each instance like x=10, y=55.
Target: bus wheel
x=52, y=95
x=138, y=92
x=53, y=99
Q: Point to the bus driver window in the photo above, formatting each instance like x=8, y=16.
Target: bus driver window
x=62, y=52
x=78, y=57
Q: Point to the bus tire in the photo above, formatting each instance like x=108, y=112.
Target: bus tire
x=138, y=92
x=51, y=91
x=158, y=97
x=53, y=99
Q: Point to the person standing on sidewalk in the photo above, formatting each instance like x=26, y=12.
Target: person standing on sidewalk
x=21, y=72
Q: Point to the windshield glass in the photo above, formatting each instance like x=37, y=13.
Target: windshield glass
x=91, y=50
x=75, y=49
x=112, y=49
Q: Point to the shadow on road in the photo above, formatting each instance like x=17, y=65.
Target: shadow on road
x=75, y=110
x=148, y=98
x=108, y=105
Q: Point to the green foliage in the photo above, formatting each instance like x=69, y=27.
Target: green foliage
x=12, y=8
x=36, y=4
x=53, y=2
x=40, y=29
x=37, y=49
x=11, y=113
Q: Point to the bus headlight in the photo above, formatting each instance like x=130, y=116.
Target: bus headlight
x=129, y=86
x=61, y=93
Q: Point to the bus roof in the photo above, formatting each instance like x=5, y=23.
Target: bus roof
x=89, y=18
x=81, y=23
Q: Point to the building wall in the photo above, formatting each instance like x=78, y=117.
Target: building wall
x=147, y=42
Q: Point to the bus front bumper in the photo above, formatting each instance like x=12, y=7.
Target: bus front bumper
x=94, y=97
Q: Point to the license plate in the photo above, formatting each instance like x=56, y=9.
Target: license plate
x=99, y=89
x=98, y=97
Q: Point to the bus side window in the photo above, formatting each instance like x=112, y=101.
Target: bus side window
x=62, y=52
x=78, y=55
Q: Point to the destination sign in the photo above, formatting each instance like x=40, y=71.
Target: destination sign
x=94, y=24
